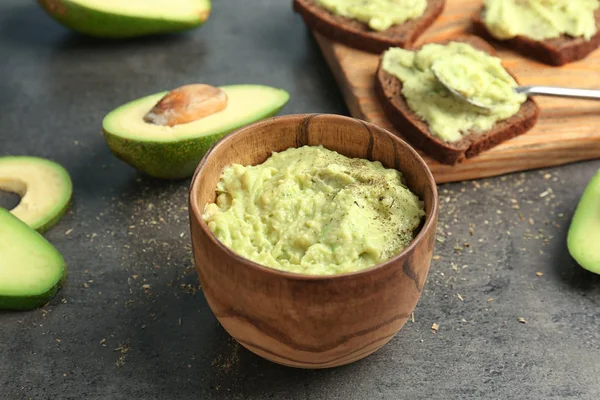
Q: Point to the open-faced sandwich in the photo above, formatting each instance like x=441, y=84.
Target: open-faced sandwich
x=373, y=25
x=555, y=32
x=432, y=118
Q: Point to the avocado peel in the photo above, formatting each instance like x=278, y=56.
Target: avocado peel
x=118, y=19
x=583, y=239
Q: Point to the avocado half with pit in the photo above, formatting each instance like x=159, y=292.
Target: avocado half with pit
x=583, y=239
x=165, y=135
x=45, y=188
x=31, y=269
x=127, y=18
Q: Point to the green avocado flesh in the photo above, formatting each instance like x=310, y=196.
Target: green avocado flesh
x=313, y=211
x=174, y=152
x=31, y=269
x=44, y=186
x=378, y=14
x=584, y=232
x=128, y=18
x=541, y=19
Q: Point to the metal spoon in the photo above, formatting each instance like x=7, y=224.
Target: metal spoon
x=526, y=90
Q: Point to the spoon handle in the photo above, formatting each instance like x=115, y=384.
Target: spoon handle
x=559, y=92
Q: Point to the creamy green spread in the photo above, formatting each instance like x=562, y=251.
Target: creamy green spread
x=313, y=211
x=471, y=71
x=541, y=19
x=486, y=84
x=379, y=15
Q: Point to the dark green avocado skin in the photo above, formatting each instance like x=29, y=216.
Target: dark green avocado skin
x=583, y=239
x=32, y=302
x=53, y=221
x=15, y=302
x=113, y=25
x=170, y=160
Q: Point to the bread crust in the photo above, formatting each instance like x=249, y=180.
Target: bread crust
x=416, y=131
x=358, y=35
x=556, y=52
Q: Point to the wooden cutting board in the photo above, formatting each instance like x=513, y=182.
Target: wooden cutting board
x=567, y=131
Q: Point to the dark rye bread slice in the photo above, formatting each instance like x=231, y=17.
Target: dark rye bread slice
x=559, y=51
x=416, y=131
x=358, y=35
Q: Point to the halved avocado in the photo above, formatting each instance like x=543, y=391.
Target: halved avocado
x=128, y=18
x=583, y=239
x=44, y=186
x=174, y=152
x=31, y=269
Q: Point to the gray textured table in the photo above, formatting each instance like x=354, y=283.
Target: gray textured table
x=105, y=337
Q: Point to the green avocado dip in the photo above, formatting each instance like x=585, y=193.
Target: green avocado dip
x=472, y=72
x=313, y=211
x=378, y=14
x=540, y=19
x=484, y=83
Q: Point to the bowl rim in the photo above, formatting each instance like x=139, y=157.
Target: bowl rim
x=430, y=221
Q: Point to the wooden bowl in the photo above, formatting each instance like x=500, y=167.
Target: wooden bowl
x=300, y=320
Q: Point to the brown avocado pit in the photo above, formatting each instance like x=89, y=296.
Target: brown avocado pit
x=187, y=104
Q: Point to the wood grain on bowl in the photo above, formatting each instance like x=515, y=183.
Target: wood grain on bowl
x=307, y=321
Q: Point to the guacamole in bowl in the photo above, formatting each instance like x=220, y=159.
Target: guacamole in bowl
x=310, y=210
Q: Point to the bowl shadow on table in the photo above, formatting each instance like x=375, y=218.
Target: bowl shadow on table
x=240, y=371
x=199, y=358
x=185, y=353
x=29, y=25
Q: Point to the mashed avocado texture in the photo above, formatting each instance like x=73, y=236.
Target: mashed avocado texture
x=378, y=14
x=487, y=84
x=541, y=19
x=313, y=211
x=474, y=73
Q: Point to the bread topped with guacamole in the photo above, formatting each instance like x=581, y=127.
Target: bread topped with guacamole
x=373, y=25
x=555, y=32
x=436, y=121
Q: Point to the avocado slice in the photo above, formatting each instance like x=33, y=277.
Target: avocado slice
x=583, y=238
x=31, y=269
x=174, y=152
x=127, y=18
x=44, y=186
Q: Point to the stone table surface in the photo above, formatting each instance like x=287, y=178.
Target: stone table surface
x=105, y=337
